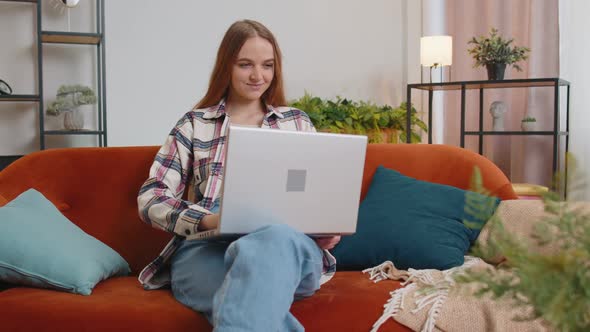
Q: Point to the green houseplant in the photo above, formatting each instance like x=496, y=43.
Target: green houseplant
x=495, y=53
x=68, y=100
x=555, y=283
x=528, y=123
x=380, y=123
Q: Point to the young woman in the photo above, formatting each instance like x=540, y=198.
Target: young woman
x=248, y=284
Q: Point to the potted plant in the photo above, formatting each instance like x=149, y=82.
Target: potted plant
x=69, y=99
x=528, y=123
x=495, y=53
x=379, y=123
x=547, y=267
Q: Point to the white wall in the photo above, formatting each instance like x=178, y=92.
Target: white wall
x=574, y=52
x=160, y=55
x=433, y=14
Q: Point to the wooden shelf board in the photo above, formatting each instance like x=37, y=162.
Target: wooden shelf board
x=55, y=37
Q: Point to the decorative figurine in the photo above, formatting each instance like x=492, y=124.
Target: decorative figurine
x=497, y=110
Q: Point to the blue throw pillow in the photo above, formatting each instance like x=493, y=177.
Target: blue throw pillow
x=413, y=223
x=40, y=247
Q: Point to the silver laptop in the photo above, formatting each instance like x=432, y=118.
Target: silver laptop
x=309, y=181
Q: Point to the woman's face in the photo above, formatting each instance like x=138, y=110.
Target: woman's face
x=253, y=70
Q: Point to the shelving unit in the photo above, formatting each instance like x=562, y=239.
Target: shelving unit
x=552, y=83
x=96, y=39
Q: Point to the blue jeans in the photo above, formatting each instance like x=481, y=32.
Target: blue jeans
x=248, y=284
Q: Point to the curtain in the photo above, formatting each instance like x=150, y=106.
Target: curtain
x=532, y=23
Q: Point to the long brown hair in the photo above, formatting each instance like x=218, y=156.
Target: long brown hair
x=230, y=46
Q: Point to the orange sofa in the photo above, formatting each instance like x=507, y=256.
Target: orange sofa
x=82, y=184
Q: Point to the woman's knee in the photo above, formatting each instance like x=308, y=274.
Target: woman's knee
x=273, y=240
x=279, y=233
x=259, y=242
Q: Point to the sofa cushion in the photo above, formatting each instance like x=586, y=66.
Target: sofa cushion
x=413, y=223
x=349, y=302
x=40, y=247
x=116, y=304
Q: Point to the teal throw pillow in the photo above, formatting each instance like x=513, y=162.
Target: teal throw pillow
x=40, y=247
x=413, y=223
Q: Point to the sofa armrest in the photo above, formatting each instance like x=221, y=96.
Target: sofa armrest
x=3, y=201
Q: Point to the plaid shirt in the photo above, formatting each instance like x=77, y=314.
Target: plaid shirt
x=193, y=154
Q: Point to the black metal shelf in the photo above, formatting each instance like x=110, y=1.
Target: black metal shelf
x=96, y=40
x=31, y=1
x=554, y=83
x=74, y=132
x=470, y=85
x=19, y=98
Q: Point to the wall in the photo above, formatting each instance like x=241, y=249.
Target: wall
x=574, y=51
x=159, y=56
x=160, y=53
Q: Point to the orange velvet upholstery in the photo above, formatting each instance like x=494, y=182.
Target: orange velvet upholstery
x=96, y=188
x=442, y=164
x=349, y=302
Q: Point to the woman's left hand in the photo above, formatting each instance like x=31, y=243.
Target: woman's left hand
x=328, y=242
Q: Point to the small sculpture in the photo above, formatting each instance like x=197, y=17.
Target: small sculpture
x=497, y=110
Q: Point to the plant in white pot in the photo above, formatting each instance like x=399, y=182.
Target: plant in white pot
x=69, y=99
x=528, y=123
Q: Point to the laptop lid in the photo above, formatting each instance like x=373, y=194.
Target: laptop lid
x=310, y=181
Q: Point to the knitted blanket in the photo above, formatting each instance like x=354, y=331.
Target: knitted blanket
x=430, y=301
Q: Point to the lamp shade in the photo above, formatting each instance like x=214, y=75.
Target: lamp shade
x=436, y=50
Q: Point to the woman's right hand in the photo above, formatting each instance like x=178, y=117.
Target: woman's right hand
x=210, y=221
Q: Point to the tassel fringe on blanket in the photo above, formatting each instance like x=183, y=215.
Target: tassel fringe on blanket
x=437, y=282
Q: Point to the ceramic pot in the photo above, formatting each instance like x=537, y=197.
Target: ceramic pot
x=496, y=71
x=528, y=126
x=73, y=120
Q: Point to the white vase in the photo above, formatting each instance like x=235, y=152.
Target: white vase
x=73, y=120
x=527, y=126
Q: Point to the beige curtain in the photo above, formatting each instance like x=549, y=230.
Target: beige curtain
x=532, y=23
